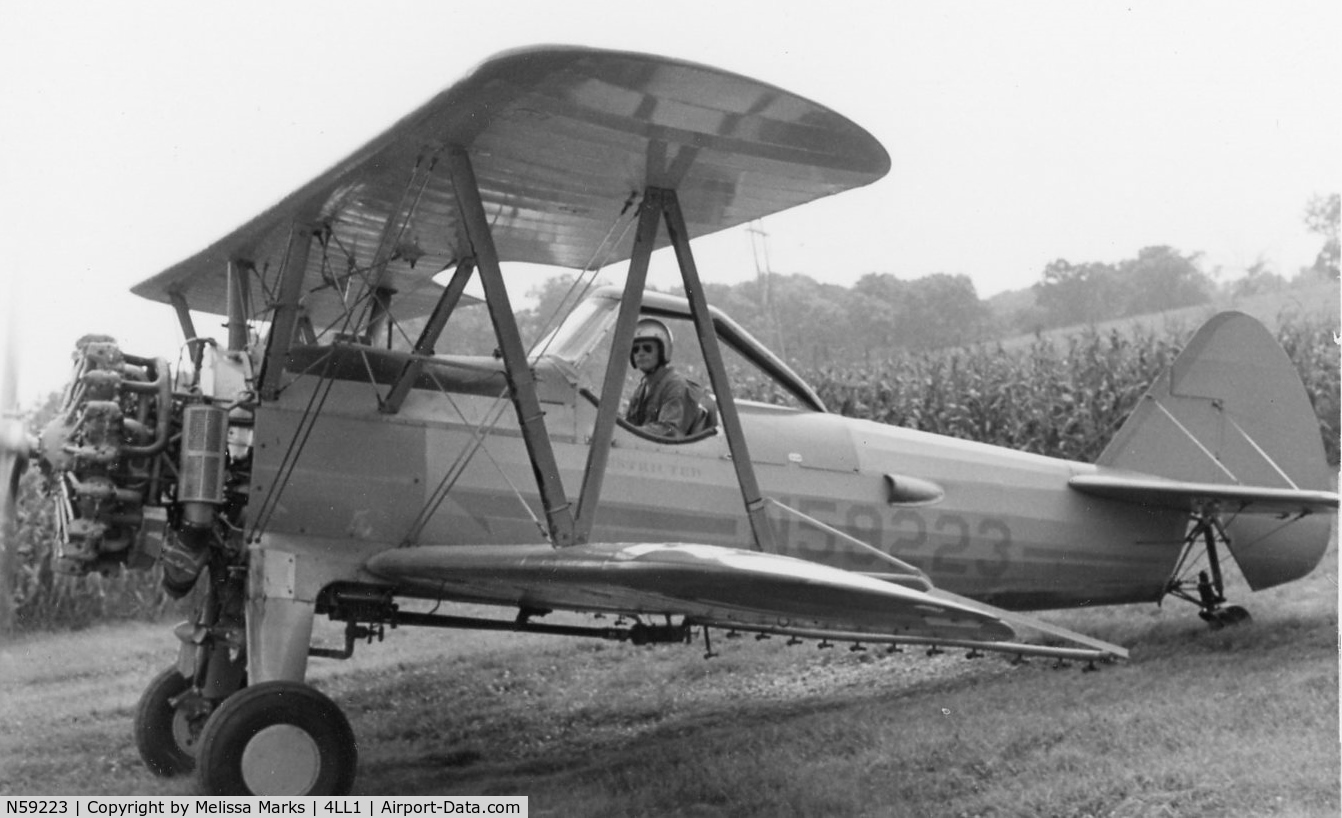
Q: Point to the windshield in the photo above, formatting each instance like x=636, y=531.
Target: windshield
x=755, y=373
x=584, y=327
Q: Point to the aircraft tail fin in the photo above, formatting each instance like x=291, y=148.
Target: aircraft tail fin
x=1232, y=410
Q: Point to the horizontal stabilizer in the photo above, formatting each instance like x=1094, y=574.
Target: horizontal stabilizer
x=1157, y=491
x=725, y=587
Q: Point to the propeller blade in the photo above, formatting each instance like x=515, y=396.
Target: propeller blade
x=11, y=466
x=14, y=447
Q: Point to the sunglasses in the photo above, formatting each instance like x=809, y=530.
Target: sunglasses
x=649, y=346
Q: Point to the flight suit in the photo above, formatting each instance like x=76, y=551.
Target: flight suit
x=664, y=404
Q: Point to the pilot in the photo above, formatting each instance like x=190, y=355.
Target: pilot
x=666, y=403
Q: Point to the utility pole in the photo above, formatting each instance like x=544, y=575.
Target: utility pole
x=759, y=246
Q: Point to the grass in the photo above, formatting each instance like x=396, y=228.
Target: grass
x=1241, y=721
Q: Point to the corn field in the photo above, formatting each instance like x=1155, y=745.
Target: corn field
x=45, y=599
x=1061, y=398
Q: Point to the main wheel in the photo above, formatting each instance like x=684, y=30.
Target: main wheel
x=277, y=738
x=168, y=721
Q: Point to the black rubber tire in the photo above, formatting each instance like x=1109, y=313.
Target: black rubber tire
x=156, y=735
x=252, y=724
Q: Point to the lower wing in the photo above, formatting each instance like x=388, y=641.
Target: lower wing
x=711, y=586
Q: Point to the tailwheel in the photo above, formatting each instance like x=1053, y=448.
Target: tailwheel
x=277, y=738
x=168, y=722
x=1219, y=618
x=1235, y=615
x=1210, y=586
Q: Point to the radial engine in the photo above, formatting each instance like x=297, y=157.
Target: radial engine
x=142, y=469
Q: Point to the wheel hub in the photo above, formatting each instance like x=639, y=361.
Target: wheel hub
x=281, y=759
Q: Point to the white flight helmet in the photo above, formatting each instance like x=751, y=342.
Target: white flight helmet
x=650, y=329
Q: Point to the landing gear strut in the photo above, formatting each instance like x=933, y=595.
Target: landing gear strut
x=1210, y=585
x=174, y=709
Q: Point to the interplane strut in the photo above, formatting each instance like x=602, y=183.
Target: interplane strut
x=567, y=527
x=521, y=380
x=659, y=204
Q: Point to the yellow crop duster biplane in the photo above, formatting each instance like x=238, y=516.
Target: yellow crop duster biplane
x=324, y=461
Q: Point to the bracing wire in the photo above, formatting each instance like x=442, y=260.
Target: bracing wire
x=311, y=411
x=603, y=250
x=456, y=468
x=343, y=287
x=306, y=422
x=382, y=256
x=444, y=486
x=1192, y=558
x=496, y=410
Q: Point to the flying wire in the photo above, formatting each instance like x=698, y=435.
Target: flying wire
x=306, y=422
x=496, y=410
x=603, y=250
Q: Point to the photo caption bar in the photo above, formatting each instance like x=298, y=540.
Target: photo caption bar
x=515, y=806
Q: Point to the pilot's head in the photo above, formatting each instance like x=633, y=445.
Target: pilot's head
x=652, y=345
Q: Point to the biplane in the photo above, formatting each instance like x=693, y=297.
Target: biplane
x=327, y=459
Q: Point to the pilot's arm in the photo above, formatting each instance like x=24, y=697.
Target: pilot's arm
x=670, y=418
x=664, y=410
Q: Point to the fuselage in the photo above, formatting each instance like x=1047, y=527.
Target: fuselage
x=990, y=523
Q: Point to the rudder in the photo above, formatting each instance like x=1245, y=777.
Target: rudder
x=1232, y=409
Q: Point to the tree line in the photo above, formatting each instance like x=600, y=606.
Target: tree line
x=811, y=323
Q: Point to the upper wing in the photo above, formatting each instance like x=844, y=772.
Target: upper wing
x=1180, y=494
x=562, y=141
x=721, y=586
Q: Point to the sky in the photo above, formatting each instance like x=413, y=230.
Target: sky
x=132, y=134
